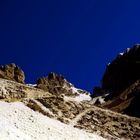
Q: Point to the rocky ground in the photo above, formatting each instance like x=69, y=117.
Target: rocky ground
x=83, y=114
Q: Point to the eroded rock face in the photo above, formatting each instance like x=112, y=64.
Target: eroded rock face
x=12, y=72
x=123, y=71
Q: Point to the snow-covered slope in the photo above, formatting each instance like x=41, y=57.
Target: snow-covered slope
x=19, y=122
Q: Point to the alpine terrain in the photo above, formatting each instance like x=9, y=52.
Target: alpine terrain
x=54, y=109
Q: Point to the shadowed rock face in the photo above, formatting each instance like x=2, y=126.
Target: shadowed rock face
x=12, y=72
x=133, y=108
x=121, y=81
x=127, y=102
x=123, y=71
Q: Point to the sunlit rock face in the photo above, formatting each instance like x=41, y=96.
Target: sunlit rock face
x=12, y=72
x=122, y=71
x=57, y=84
x=53, y=83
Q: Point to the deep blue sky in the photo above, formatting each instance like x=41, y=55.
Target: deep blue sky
x=76, y=38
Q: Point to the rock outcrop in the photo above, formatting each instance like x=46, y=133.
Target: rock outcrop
x=53, y=83
x=121, y=84
x=58, y=85
x=12, y=72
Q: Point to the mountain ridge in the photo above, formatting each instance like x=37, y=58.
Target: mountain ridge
x=120, y=83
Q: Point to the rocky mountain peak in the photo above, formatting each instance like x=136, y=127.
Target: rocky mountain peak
x=12, y=72
x=54, y=83
x=123, y=71
x=53, y=79
x=120, y=87
x=58, y=85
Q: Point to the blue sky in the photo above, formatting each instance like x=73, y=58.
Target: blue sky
x=75, y=38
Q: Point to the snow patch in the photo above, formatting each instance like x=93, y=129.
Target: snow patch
x=18, y=122
x=101, y=99
x=108, y=64
x=32, y=85
x=78, y=98
x=121, y=53
x=127, y=50
x=74, y=90
x=82, y=97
